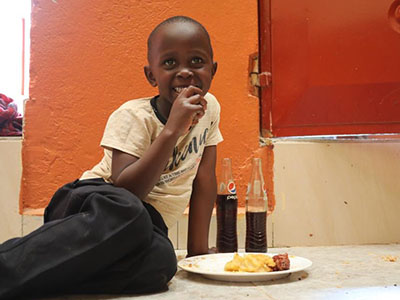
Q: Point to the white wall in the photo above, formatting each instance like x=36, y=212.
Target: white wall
x=10, y=174
x=336, y=193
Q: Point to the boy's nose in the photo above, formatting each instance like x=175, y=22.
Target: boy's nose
x=185, y=73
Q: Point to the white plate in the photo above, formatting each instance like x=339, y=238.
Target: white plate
x=212, y=266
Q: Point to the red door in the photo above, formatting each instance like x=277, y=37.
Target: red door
x=335, y=66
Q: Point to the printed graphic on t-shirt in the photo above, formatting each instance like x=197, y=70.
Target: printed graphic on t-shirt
x=189, y=152
x=189, y=149
x=165, y=178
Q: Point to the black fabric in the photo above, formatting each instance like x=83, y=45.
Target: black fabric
x=153, y=102
x=96, y=238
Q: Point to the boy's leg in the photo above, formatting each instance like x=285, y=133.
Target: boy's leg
x=137, y=273
x=147, y=270
x=110, y=224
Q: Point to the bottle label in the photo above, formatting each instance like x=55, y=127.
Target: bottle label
x=231, y=187
x=231, y=197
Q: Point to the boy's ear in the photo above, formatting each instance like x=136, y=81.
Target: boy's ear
x=214, y=68
x=149, y=76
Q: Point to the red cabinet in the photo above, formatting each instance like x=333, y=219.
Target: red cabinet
x=335, y=66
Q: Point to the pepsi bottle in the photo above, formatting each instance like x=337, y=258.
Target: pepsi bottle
x=226, y=210
x=256, y=211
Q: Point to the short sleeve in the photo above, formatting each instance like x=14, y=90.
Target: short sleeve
x=214, y=135
x=127, y=132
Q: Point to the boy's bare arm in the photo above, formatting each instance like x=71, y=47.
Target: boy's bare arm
x=140, y=175
x=201, y=203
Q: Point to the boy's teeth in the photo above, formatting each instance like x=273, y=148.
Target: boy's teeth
x=178, y=89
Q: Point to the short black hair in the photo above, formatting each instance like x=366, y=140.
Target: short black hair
x=173, y=20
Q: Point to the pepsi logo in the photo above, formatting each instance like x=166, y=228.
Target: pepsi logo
x=231, y=187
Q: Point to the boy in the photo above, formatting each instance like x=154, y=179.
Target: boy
x=107, y=232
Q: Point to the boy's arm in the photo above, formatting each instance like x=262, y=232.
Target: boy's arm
x=201, y=203
x=139, y=175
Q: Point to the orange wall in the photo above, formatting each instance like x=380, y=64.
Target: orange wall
x=87, y=58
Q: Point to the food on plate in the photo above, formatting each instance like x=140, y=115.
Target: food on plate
x=250, y=263
x=282, y=262
x=258, y=263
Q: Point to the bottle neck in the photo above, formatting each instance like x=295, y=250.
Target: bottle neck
x=256, y=196
x=256, y=173
x=226, y=184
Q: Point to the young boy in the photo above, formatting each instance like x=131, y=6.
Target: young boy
x=107, y=231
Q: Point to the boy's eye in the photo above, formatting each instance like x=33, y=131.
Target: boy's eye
x=169, y=62
x=197, y=60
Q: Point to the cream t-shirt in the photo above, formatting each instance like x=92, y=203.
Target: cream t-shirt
x=134, y=126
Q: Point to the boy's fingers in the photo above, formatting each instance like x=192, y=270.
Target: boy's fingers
x=198, y=99
x=192, y=90
x=200, y=114
x=212, y=250
x=197, y=116
x=203, y=103
x=198, y=103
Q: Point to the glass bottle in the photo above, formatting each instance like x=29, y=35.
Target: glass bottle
x=226, y=210
x=256, y=210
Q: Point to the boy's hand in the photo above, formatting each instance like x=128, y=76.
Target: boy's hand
x=186, y=110
x=212, y=250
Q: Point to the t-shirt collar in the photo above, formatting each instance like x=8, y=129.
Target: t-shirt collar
x=154, y=106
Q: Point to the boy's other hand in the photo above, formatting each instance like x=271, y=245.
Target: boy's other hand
x=188, y=108
x=212, y=250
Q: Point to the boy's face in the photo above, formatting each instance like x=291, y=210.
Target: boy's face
x=180, y=56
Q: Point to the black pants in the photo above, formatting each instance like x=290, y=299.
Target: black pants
x=96, y=238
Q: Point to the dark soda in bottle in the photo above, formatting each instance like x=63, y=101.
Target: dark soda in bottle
x=256, y=211
x=226, y=210
x=256, y=239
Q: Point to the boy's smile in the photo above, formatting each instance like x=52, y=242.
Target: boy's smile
x=180, y=56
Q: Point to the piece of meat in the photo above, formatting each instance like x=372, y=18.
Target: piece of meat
x=282, y=262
